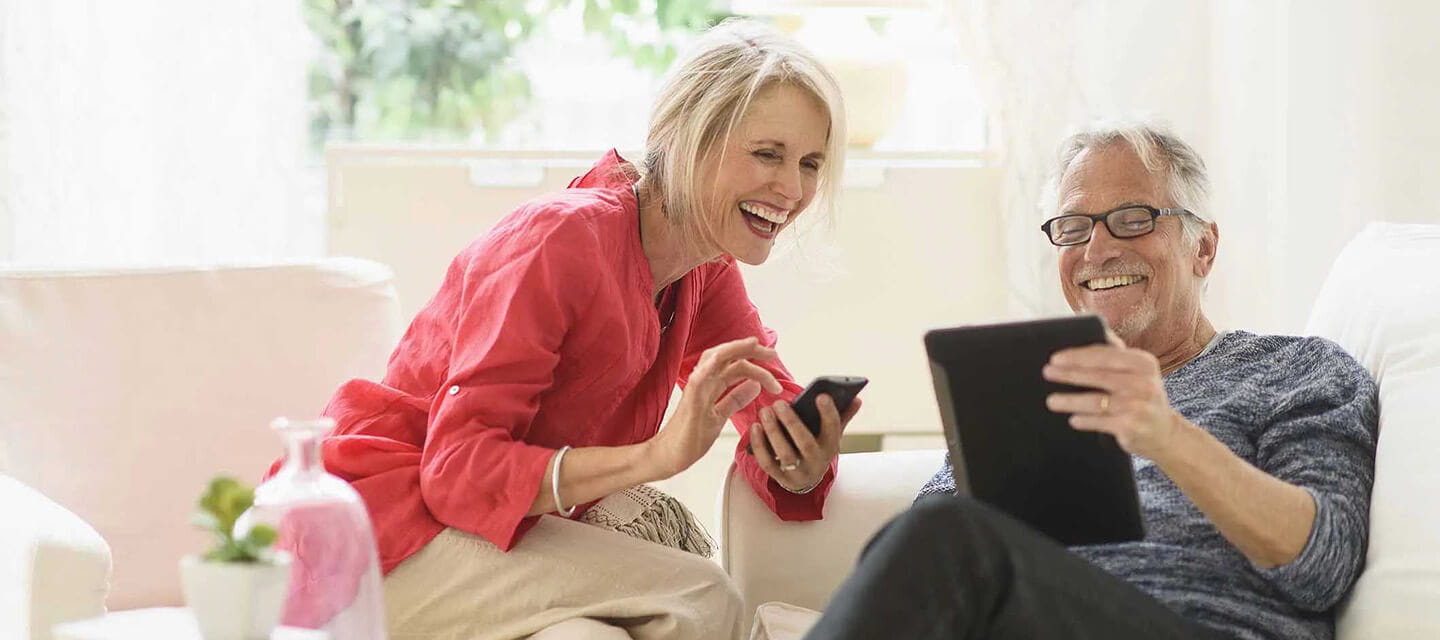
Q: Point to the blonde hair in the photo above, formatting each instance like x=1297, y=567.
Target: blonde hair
x=703, y=98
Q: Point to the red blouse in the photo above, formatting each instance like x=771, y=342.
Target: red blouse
x=544, y=334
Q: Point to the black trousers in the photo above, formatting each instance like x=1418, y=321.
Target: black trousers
x=952, y=567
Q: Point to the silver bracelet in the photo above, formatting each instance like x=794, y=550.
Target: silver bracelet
x=555, y=483
x=806, y=489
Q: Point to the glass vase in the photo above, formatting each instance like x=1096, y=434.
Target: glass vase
x=322, y=523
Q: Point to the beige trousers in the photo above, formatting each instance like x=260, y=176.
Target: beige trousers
x=462, y=587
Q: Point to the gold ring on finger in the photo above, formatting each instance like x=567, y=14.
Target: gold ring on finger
x=789, y=467
x=1104, y=404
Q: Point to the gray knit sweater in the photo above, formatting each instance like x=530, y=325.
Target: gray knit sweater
x=1300, y=409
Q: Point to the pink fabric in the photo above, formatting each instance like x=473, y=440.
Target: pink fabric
x=330, y=554
x=543, y=334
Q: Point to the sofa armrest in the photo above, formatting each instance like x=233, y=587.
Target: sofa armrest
x=54, y=567
x=803, y=563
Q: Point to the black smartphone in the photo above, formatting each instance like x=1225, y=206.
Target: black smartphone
x=841, y=389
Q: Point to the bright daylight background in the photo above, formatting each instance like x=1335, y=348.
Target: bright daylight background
x=216, y=131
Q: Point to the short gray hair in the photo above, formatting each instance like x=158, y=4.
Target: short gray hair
x=1162, y=153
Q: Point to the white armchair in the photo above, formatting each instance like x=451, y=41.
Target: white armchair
x=124, y=391
x=53, y=565
x=1381, y=302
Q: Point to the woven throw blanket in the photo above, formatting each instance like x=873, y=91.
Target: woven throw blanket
x=648, y=513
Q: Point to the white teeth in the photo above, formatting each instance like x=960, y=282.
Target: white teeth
x=765, y=213
x=1110, y=283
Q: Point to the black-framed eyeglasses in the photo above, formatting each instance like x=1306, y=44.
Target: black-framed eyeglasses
x=1129, y=221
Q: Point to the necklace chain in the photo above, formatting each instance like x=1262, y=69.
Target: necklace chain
x=660, y=298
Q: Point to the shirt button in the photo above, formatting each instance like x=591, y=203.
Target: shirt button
x=455, y=389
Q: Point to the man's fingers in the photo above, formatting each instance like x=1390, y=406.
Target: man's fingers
x=1100, y=424
x=1092, y=403
x=1104, y=380
x=1101, y=356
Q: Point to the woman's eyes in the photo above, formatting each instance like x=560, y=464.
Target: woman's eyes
x=771, y=156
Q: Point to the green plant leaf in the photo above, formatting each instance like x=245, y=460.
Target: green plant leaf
x=593, y=17
x=225, y=499
x=261, y=536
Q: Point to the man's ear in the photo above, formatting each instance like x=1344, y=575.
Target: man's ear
x=1205, y=249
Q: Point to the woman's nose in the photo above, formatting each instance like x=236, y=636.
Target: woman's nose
x=787, y=183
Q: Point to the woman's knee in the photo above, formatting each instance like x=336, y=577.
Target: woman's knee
x=717, y=605
x=721, y=589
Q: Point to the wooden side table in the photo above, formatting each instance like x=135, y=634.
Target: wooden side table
x=161, y=623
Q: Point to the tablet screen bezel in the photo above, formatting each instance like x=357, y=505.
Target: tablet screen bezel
x=1012, y=452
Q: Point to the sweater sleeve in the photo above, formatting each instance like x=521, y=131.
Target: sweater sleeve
x=1321, y=437
x=726, y=314
x=517, y=295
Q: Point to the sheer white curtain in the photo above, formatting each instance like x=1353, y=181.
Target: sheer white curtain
x=153, y=132
x=1315, y=117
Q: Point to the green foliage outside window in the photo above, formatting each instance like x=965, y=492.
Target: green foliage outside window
x=441, y=69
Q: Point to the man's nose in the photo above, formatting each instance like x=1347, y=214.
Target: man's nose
x=1102, y=245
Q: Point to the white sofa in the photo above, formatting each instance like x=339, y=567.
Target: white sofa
x=1381, y=302
x=123, y=392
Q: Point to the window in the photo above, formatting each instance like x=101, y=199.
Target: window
x=563, y=74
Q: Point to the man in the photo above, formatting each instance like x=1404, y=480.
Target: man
x=1254, y=454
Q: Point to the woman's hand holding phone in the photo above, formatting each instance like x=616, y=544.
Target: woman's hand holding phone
x=799, y=462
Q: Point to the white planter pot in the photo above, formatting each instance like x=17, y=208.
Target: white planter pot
x=233, y=601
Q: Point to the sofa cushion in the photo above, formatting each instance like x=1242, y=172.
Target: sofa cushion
x=781, y=621
x=803, y=563
x=1382, y=303
x=125, y=391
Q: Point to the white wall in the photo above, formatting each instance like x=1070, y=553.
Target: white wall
x=1314, y=117
x=1323, y=116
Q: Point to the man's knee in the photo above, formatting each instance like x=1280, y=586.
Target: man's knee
x=953, y=540
x=950, y=518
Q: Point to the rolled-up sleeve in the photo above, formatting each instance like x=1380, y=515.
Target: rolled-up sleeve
x=727, y=314
x=1321, y=437
x=519, y=296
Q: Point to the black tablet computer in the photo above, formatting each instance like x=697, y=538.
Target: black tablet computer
x=1013, y=453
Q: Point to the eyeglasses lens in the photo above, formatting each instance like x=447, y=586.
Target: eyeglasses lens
x=1128, y=223
x=1070, y=229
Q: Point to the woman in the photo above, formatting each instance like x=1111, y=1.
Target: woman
x=537, y=377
